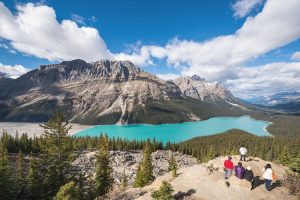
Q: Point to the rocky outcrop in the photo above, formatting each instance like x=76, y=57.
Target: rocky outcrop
x=129, y=160
x=195, y=182
x=108, y=92
x=198, y=88
x=87, y=92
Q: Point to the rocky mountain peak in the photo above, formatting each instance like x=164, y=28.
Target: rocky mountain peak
x=2, y=75
x=198, y=88
x=106, y=91
x=197, y=78
x=77, y=70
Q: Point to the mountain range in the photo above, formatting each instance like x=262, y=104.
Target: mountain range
x=109, y=92
x=288, y=102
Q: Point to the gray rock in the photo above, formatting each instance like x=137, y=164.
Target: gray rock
x=86, y=163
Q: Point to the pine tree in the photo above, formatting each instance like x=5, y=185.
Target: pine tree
x=164, y=192
x=81, y=186
x=211, y=154
x=173, y=166
x=68, y=191
x=295, y=164
x=284, y=156
x=21, y=178
x=144, y=174
x=6, y=179
x=56, y=153
x=34, y=180
x=269, y=155
x=124, y=181
x=104, y=178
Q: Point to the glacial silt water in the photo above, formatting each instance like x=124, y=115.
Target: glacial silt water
x=180, y=131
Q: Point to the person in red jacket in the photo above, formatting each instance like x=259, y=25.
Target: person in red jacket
x=228, y=167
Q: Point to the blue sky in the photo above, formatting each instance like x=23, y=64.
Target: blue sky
x=220, y=40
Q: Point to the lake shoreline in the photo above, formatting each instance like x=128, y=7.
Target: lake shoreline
x=180, y=131
x=33, y=128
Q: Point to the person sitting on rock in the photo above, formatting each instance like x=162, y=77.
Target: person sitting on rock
x=228, y=167
x=249, y=176
x=239, y=171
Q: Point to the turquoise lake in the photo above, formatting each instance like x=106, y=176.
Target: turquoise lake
x=181, y=131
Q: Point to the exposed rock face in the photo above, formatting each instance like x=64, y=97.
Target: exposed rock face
x=198, y=88
x=87, y=91
x=85, y=163
x=107, y=92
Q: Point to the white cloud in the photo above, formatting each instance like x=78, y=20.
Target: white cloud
x=168, y=76
x=276, y=25
x=142, y=56
x=296, y=56
x=78, y=19
x=93, y=19
x=265, y=80
x=34, y=30
x=13, y=71
x=242, y=8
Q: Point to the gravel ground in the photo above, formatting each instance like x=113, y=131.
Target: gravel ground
x=33, y=128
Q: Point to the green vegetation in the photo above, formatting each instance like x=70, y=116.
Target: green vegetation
x=21, y=177
x=282, y=125
x=34, y=180
x=173, y=166
x=268, y=148
x=6, y=178
x=144, y=174
x=68, y=191
x=104, y=178
x=178, y=110
x=124, y=181
x=55, y=153
x=164, y=192
x=48, y=173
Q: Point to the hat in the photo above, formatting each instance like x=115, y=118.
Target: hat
x=229, y=157
x=249, y=168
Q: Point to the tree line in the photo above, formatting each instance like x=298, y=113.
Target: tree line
x=49, y=174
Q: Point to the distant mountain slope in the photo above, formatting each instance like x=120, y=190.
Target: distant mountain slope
x=198, y=88
x=278, y=98
x=291, y=107
x=285, y=102
x=107, y=92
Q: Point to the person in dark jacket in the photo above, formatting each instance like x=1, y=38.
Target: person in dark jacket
x=239, y=171
x=249, y=176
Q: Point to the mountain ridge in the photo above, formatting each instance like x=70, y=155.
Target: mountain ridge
x=110, y=92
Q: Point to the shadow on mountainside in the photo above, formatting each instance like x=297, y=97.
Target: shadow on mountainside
x=181, y=195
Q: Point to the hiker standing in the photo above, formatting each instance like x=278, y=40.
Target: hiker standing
x=239, y=170
x=243, y=152
x=268, y=176
x=249, y=176
x=228, y=167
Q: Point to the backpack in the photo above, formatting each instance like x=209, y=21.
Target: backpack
x=274, y=176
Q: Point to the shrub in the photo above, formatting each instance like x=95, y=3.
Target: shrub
x=164, y=192
x=292, y=183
